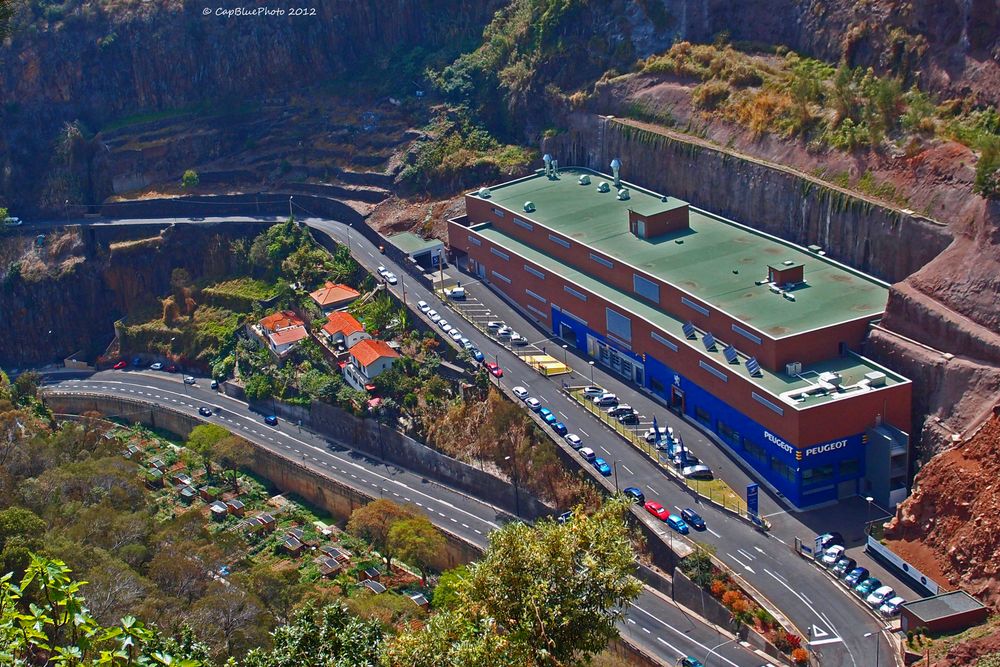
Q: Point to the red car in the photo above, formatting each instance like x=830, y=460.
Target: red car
x=656, y=509
x=494, y=368
x=120, y=365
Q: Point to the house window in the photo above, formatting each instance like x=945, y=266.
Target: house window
x=536, y=311
x=702, y=416
x=498, y=213
x=782, y=469
x=619, y=325
x=694, y=306
x=603, y=262
x=579, y=295
x=714, y=371
x=662, y=341
x=535, y=272
x=817, y=475
x=535, y=296
x=522, y=223
x=474, y=241
x=502, y=255
x=500, y=276
x=849, y=468
x=763, y=401
x=728, y=434
x=647, y=289
x=746, y=334
x=555, y=239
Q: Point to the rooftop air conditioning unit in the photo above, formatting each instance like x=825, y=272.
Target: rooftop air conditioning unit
x=793, y=367
x=484, y=193
x=584, y=179
x=529, y=207
x=603, y=187
x=832, y=378
x=623, y=194
x=875, y=379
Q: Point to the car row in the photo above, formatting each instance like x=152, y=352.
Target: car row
x=832, y=554
x=387, y=275
x=683, y=523
x=451, y=331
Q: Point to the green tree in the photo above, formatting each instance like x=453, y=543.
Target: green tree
x=25, y=387
x=258, y=387
x=416, y=541
x=987, y=182
x=233, y=453
x=21, y=532
x=549, y=594
x=331, y=637
x=373, y=522
x=202, y=441
x=448, y=591
x=190, y=179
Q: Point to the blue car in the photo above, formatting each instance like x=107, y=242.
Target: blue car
x=635, y=494
x=693, y=519
x=271, y=420
x=678, y=524
x=856, y=576
x=602, y=467
x=559, y=428
x=477, y=355
x=545, y=413
x=550, y=419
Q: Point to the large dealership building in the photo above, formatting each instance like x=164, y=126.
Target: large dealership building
x=754, y=338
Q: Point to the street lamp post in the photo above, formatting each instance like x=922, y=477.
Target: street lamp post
x=614, y=464
x=565, y=352
x=591, y=371
x=877, y=642
x=714, y=649
x=868, y=516
x=290, y=215
x=517, y=498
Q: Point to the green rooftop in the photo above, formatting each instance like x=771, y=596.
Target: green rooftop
x=410, y=243
x=852, y=368
x=716, y=260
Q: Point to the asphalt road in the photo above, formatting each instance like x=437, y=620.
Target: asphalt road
x=663, y=628
x=834, y=619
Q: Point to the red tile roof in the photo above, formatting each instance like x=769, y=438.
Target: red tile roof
x=343, y=323
x=332, y=294
x=290, y=335
x=369, y=351
x=283, y=319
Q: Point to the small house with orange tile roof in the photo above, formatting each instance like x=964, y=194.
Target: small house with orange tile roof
x=366, y=361
x=334, y=295
x=344, y=329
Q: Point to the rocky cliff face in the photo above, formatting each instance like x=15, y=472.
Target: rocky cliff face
x=71, y=304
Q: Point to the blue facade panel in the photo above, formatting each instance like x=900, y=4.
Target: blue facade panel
x=805, y=476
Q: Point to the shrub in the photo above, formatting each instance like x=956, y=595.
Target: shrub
x=190, y=179
x=710, y=95
x=718, y=587
x=800, y=656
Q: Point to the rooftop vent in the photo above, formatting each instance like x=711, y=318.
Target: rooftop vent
x=547, y=159
x=623, y=194
x=831, y=378
x=584, y=179
x=484, y=193
x=603, y=187
x=788, y=262
x=793, y=368
x=875, y=379
x=616, y=164
x=529, y=207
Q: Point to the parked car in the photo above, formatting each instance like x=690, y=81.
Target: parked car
x=456, y=335
x=550, y=419
x=204, y=412
x=456, y=293
x=891, y=607
x=678, y=524
x=635, y=494
x=544, y=413
x=533, y=404
x=137, y=362
x=271, y=420
x=587, y=453
x=856, y=576
x=520, y=392
x=493, y=325
x=494, y=369
x=423, y=306
x=433, y=314
x=504, y=332
x=518, y=339
x=689, y=458
x=476, y=354
x=573, y=440
x=697, y=472
x=867, y=587
x=382, y=270
x=215, y=384
x=590, y=391
x=657, y=510
x=832, y=555
x=629, y=418
x=158, y=366
x=880, y=595
x=693, y=519
x=827, y=540
x=664, y=433
x=606, y=399
x=559, y=428
x=391, y=278
x=189, y=379
x=445, y=327
x=13, y=221
x=615, y=410
x=843, y=566
x=120, y=365
x=689, y=661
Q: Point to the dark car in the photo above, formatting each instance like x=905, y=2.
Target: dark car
x=559, y=428
x=204, y=412
x=856, y=576
x=843, y=566
x=692, y=518
x=635, y=494
x=476, y=354
x=271, y=420
x=629, y=418
x=137, y=362
x=831, y=539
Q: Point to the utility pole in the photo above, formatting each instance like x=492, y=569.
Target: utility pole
x=615, y=465
x=290, y=215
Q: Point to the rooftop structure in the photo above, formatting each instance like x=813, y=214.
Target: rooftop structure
x=411, y=243
x=332, y=295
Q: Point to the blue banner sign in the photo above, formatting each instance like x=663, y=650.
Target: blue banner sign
x=752, y=508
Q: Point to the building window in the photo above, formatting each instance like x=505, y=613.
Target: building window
x=849, y=468
x=579, y=295
x=498, y=213
x=782, y=469
x=536, y=311
x=474, y=241
x=535, y=296
x=535, y=272
x=603, y=262
x=714, y=371
x=728, y=434
x=763, y=401
x=755, y=450
x=746, y=334
x=694, y=306
x=522, y=223
x=500, y=276
x=619, y=325
x=502, y=255
x=647, y=289
x=555, y=239
x=817, y=475
x=702, y=416
x=662, y=341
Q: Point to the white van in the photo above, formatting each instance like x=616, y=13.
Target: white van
x=606, y=399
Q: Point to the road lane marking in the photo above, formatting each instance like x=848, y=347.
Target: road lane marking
x=606, y=450
x=713, y=532
x=652, y=489
x=682, y=634
x=587, y=435
x=627, y=470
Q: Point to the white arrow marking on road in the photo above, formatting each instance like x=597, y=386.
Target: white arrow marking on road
x=759, y=549
x=745, y=554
